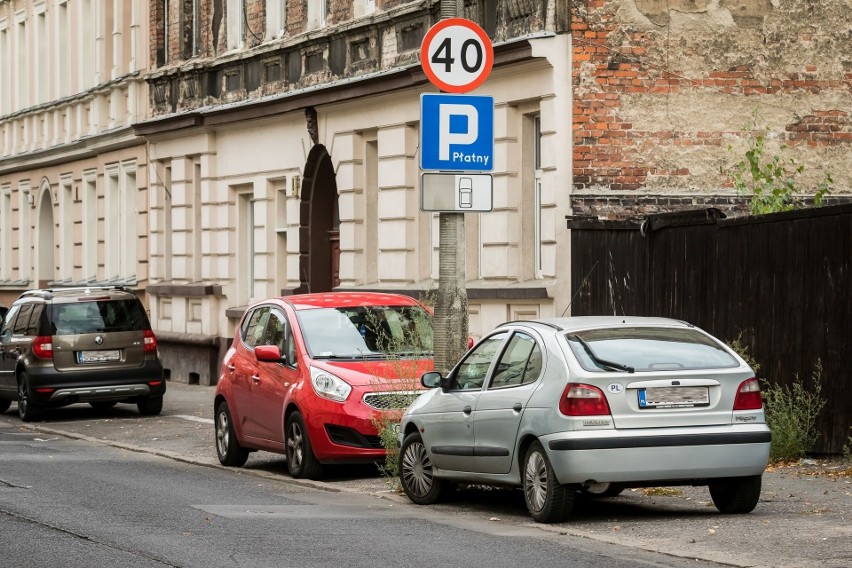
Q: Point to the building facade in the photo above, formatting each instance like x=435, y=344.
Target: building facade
x=210, y=153
x=284, y=158
x=73, y=174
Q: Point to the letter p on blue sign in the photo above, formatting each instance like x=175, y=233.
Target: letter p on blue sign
x=456, y=133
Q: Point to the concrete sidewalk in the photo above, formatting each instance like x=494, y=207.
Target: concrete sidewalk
x=804, y=518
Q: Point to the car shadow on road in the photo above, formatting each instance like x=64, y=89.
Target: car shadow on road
x=629, y=506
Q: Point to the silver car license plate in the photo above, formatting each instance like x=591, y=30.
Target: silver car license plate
x=673, y=397
x=98, y=356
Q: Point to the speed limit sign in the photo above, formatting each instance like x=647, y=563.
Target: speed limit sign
x=456, y=55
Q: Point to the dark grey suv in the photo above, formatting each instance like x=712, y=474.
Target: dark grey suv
x=67, y=345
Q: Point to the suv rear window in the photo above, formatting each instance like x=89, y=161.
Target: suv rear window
x=648, y=349
x=97, y=316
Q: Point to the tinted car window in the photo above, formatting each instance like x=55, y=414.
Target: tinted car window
x=648, y=349
x=519, y=364
x=23, y=320
x=10, y=317
x=278, y=334
x=34, y=327
x=98, y=316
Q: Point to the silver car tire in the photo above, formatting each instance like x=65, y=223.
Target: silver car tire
x=228, y=448
x=547, y=500
x=737, y=495
x=301, y=462
x=416, y=474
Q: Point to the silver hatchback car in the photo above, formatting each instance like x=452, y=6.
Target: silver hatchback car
x=589, y=404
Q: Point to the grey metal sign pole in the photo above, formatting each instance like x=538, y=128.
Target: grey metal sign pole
x=451, y=317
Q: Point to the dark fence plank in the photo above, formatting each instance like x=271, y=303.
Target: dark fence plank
x=781, y=282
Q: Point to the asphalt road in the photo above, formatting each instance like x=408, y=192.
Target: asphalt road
x=79, y=503
x=804, y=519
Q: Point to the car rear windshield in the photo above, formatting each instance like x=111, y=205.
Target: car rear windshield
x=97, y=317
x=364, y=332
x=648, y=349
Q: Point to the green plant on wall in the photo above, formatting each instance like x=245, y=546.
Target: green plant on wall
x=769, y=180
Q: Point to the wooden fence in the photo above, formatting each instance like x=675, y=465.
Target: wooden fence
x=781, y=282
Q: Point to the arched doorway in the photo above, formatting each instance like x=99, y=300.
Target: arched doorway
x=45, y=260
x=319, y=225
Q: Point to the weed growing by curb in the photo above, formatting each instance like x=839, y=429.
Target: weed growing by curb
x=791, y=413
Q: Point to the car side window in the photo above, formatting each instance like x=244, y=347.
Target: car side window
x=35, y=320
x=471, y=372
x=253, y=332
x=278, y=332
x=23, y=321
x=520, y=363
x=7, y=321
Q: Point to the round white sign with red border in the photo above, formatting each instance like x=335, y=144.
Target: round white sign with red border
x=456, y=55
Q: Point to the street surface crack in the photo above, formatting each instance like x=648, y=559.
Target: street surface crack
x=87, y=538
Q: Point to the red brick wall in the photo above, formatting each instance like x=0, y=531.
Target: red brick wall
x=659, y=96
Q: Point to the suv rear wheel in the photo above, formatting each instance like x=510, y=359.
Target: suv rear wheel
x=26, y=409
x=150, y=406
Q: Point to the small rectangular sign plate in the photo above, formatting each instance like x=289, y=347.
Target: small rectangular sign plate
x=673, y=397
x=101, y=356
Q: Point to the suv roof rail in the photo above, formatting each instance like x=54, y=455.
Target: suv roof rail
x=47, y=293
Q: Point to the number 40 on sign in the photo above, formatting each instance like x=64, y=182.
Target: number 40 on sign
x=456, y=55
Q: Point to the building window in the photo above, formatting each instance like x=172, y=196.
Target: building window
x=537, y=194
x=24, y=228
x=166, y=236
x=23, y=74
x=112, y=211
x=317, y=13
x=191, y=28
x=280, y=224
x=63, y=51
x=5, y=79
x=87, y=46
x=163, y=40
x=245, y=250
x=276, y=18
x=66, y=229
x=236, y=23
x=6, y=233
x=43, y=62
x=90, y=226
x=129, y=236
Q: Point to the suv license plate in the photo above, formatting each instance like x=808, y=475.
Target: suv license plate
x=98, y=356
x=673, y=397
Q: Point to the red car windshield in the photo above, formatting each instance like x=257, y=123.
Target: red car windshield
x=366, y=332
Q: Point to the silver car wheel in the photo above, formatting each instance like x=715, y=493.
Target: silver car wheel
x=295, y=445
x=222, y=433
x=417, y=469
x=535, y=481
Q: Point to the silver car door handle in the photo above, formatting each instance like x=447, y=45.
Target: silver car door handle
x=467, y=410
x=518, y=407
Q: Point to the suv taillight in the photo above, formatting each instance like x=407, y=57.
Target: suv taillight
x=583, y=400
x=748, y=396
x=43, y=347
x=150, y=341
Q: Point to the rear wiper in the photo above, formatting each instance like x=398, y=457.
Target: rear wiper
x=598, y=360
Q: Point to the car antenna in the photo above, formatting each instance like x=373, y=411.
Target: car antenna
x=583, y=283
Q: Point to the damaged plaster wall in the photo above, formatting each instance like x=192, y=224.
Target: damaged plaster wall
x=667, y=91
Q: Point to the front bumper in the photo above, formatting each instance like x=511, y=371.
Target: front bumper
x=669, y=455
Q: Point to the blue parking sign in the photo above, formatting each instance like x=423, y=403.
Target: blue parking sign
x=456, y=133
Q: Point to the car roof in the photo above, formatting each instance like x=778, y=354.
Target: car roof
x=578, y=323
x=347, y=300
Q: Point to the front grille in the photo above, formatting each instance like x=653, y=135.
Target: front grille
x=390, y=400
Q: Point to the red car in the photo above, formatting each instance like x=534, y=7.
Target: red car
x=308, y=375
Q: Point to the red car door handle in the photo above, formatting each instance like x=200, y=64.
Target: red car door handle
x=231, y=368
x=255, y=378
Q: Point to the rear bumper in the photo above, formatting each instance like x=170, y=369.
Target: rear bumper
x=679, y=454
x=92, y=385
